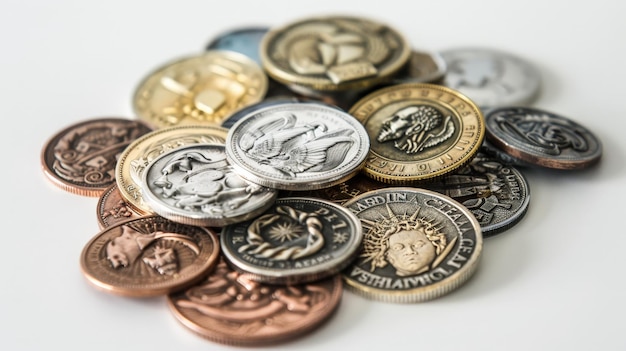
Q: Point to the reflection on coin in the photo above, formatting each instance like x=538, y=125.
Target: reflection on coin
x=235, y=117
x=501, y=155
x=245, y=41
x=297, y=146
x=418, y=131
x=423, y=67
x=230, y=309
x=297, y=240
x=542, y=138
x=149, y=256
x=81, y=158
x=417, y=245
x=113, y=209
x=200, y=89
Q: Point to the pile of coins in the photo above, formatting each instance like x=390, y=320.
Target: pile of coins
x=262, y=176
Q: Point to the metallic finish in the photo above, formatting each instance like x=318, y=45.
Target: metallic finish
x=297, y=146
x=149, y=256
x=245, y=40
x=235, y=117
x=418, y=245
x=542, y=138
x=113, y=208
x=423, y=67
x=195, y=185
x=201, y=89
x=297, y=240
x=418, y=132
x=228, y=308
x=501, y=155
x=81, y=157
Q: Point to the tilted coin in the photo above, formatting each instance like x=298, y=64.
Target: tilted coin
x=542, y=138
x=245, y=40
x=423, y=67
x=297, y=240
x=113, y=208
x=418, y=132
x=81, y=158
x=297, y=146
x=199, y=89
x=230, y=309
x=501, y=155
x=417, y=245
x=235, y=117
x=149, y=256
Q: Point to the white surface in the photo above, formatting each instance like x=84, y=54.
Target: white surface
x=553, y=282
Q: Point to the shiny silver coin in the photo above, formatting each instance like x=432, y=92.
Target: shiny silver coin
x=245, y=41
x=196, y=185
x=297, y=146
x=235, y=117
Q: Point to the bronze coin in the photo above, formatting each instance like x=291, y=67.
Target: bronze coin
x=113, y=208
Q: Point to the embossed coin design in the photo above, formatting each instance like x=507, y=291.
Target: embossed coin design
x=113, y=209
x=149, y=256
x=230, y=309
x=81, y=158
x=298, y=146
x=201, y=89
x=235, y=117
x=417, y=245
x=297, y=240
x=418, y=132
x=542, y=138
x=245, y=40
x=333, y=53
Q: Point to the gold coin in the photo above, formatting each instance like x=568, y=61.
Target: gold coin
x=418, y=132
x=202, y=89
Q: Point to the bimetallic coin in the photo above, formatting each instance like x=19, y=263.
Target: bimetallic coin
x=333, y=53
x=149, y=256
x=417, y=245
x=423, y=67
x=245, y=41
x=542, y=138
x=297, y=240
x=195, y=185
x=297, y=146
x=199, y=90
x=113, y=208
x=81, y=158
x=230, y=309
x=418, y=132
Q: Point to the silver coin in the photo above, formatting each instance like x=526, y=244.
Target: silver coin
x=297, y=146
x=297, y=240
x=245, y=41
x=501, y=155
x=196, y=185
x=490, y=77
x=239, y=114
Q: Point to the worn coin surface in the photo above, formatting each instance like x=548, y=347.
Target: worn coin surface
x=81, y=158
x=113, y=208
x=149, y=256
x=418, y=131
x=230, y=309
x=244, y=40
x=417, y=245
x=423, y=67
x=542, y=138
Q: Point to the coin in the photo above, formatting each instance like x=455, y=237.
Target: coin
x=244, y=40
x=149, y=256
x=81, y=157
x=423, y=67
x=230, y=309
x=297, y=240
x=297, y=146
x=542, y=138
x=199, y=89
x=113, y=208
x=417, y=245
x=418, y=132
x=235, y=117
x=195, y=185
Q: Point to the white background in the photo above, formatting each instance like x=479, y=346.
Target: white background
x=553, y=282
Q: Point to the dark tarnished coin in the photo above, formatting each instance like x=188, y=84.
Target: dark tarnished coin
x=81, y=158
x=113, y=208
x=423, y=67
x=542, y=138
x=149, y=256
x=230, y=309
x=417, y=245
x=297, y=240
x=245, y=41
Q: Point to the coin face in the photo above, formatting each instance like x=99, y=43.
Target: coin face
x=297, y=146
x=235, y=117
x=297, y=240
x=113, y=208
x=230, y=309
x=149, y=256
x=245, y=40
x=201, y=89
x=195, y=185
x=423, y=67
x=81, y=158
x=417, y=245
x=418, y=131
x=333, y=53
x=542, y=138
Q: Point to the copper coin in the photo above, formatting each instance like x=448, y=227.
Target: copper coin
x=81, y=158
x=229, y=309
x=149, y=256
x=113, y=208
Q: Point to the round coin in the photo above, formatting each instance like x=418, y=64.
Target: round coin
x=113, y=208
x=297, y=240
x=423, y=67
x=417, y=245
x=246, y=40
x=235, y=117
x=149, y=256
x=418, y=132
